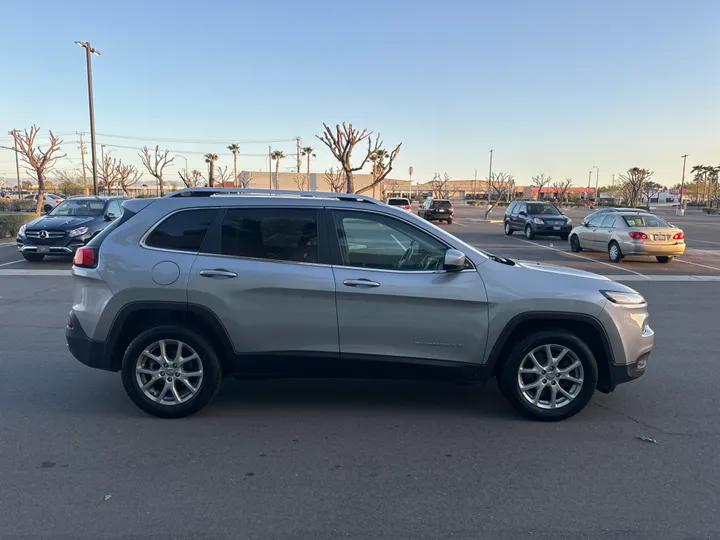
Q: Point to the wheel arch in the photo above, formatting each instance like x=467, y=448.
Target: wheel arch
x=587, y=328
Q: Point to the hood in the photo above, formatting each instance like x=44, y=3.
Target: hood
x=58, y=222
x=560, y=270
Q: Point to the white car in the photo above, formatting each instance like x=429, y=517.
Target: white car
x=401, y=202
x=50, y=200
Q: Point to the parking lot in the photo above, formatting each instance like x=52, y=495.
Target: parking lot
x=367, y=459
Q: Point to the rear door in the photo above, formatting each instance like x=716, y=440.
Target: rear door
x=266, y=275
x=395, y=301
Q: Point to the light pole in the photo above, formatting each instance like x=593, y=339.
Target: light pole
x=588, y=188
x=680, y=210
x=597, y=175
x=490, y=172
x=88, y=52
x=186, y=165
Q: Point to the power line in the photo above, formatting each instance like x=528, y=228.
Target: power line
x=191, y=141
x=182, y=151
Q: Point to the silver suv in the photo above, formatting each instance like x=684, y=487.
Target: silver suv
x=201, y=283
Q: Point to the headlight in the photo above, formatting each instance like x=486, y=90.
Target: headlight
x=569, y=221
x=78, y=232
x=624, y=298
x=538, y=221
x=21, y=231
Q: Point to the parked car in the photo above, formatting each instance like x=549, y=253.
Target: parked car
x=183, y=289
x=50, y=200
x=68, y=226
x=621, y=234
x=400, y=202
x=536, y=218
x=613, y=210
x=437, y=210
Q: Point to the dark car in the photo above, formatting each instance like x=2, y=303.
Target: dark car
x=68, y=226
x=437, y=210
x=536, y=218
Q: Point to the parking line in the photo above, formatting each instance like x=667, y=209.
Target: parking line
x=8, y=244
x=613, y=266
x=11, y=262
x=707, y=242
x=698, y=264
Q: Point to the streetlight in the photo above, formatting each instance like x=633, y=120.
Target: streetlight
x=186, y=165
x=88, y=51
x=681, y=210
x=597, y=175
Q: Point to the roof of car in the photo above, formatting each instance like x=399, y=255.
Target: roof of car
x=98, y=197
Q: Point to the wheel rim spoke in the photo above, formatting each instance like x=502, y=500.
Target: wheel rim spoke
x=550, y=376
x=163, y=361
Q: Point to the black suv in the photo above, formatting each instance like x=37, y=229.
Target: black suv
x=536, y=218
x=438, y=210
x=68, y=226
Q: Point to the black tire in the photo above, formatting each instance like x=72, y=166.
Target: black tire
x=211, y=368
x=575, y=244
x=614, y=253
x=529, y=233
x=509, y=377
x=33, y=257
x=450, y=221
x=508, y=228
x=47, y=208
x=663, y=259
x=564, y=237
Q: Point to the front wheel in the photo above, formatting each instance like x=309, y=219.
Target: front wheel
x=47, y=208
x=550, y=375
x=663, y=259
x=33, y=257
x=508, y=229
x=529, y=233
x=449, y=221
x=614, y=253
x=171, y=371
x=575, y=244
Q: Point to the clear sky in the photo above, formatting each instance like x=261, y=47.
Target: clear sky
x=553, y=86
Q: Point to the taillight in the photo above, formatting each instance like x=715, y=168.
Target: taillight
x=635, y=235
x=84, y=257
x=452, y=208
x=408, y=207
x=679, y=236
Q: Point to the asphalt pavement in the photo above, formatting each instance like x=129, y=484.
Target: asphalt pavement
x=313, y=460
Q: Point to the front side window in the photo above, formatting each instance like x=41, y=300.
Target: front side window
x=182, y=231
x=608, y=221
x=380, y=242
x=114, y=209
x=289, y=235
x=596, y=221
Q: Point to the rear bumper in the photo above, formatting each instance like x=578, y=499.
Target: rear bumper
x=438, y=215
x=90, y=352
x=639, y=248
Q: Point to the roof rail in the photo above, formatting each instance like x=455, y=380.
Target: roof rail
x=212, y=191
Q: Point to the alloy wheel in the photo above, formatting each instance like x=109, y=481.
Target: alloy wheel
x=550, y=376
x=169, y=372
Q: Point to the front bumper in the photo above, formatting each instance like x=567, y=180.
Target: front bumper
x=90, y=352
x=620, y=374
x=59, y=246
x=551, y=230
x=640, y=248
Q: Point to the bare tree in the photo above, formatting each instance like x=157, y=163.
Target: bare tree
x=540, y=181
x=565, y=186
x=107, y=172
x=128, y=176
x=439, y=186
x=343, y=141
x=223, y=175
x=650, y=190
x=301, y=181
x=155, y=163
x=498, y=186
x=193, y=178
x=631, y=184
x=335, y=179
x=245, y=179
x=36, y=159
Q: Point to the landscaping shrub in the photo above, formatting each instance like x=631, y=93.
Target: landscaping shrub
x=713, y=211
x=22, y=205
x=5, y=204
x=10, y=223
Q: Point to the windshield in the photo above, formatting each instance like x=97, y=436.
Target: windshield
x=645, y=221
x=399, y=202
x=441, y=204
x=539, y=208
x=79, y=207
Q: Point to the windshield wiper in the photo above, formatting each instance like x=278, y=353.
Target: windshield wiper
x=501, y=260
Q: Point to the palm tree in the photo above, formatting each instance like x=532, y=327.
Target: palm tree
x=308, y=151
x=234, y=148
x=277, y=155
x=210, y=159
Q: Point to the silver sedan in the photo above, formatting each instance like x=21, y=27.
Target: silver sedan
x=622, y=234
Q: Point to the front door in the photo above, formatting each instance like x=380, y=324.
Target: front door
x=395, y=301
x=603, y=232
x=266, y=277
x=589, y=237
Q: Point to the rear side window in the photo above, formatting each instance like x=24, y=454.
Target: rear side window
x=182, y=231
x=289, y=235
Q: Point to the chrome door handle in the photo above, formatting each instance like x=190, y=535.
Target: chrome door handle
x=218, y=273
x=362, y=282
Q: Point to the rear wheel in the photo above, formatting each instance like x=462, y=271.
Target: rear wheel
x=33, y=257
x=663, y=258
x=614, y=252
x=575, y=244
x=450, y=221
x=550, y=375
x=529, y=233
x=171, y=371
x=508, y=229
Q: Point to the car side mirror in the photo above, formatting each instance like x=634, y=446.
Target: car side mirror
x=522, y=213
x=110, y=217
x=454, y=260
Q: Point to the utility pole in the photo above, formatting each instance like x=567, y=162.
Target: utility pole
x=88, y=52
x=490, y=173
x=299, y=164
x=597, y=175
x=681, y=210
x=270, y=165
x=475, y=186
x=588, y=188
x=83, y=151
x=17, y=164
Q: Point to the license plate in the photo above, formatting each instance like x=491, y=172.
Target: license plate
x=441, y=210
x=659, y=237
x=43, y=249
x=556, y=228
